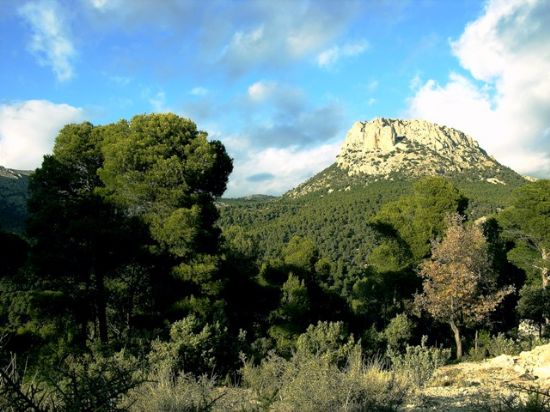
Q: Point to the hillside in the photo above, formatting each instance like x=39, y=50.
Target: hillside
x=379, y=161
x=13, y=199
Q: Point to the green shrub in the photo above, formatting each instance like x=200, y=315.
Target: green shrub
x=398, y=331
x=313, y=381
x=326, y=339
x=418, y=363
x=194, y=347
x=90, y=382
x=165, y=392
x=501, y=345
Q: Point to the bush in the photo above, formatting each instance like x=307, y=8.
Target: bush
x=90, y=382
x=166, y=392
x=326, y=339
x=311, y=382
x=419, y=363
x=492, y=346
x=195, y=347
x=398, y=331
x=501, y=345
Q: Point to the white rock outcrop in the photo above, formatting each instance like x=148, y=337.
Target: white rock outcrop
x=418, y=147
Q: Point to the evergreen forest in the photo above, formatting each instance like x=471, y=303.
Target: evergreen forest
x=135, y=285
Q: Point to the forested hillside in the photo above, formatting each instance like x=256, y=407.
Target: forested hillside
x=137, y=286
x=13, y=199
x=338, y=220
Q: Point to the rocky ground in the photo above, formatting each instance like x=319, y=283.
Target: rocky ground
x=496, y=384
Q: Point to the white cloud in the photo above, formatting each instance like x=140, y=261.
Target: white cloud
x=261, y=90
x=284, y=31
x=330, y=57
x=50, y=41
x=99, y=4
x=199, y=91
x=287, y=166
x=158, y=101
x=28, y=130
x=506, y=110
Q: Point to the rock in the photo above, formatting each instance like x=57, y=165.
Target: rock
x=418, y=147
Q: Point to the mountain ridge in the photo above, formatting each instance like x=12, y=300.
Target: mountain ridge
x=390, y=149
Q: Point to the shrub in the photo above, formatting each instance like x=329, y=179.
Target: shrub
x=312, y=381
x=326, y=339
x=398, y=331
x=90, y=382
x=501, y=345
x=165, y=392
x=194, y=347
x=418, y=363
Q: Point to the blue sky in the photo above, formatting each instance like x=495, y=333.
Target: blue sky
x=281, y=81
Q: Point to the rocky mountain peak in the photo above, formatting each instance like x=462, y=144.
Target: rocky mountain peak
x=382, y=146
x=395, y=149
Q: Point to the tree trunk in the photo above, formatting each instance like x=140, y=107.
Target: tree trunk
x=544, y=270
x=544, y=273
x=458, y=341
x=101, y=308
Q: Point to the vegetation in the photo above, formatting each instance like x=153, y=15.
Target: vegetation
x=135, y=286
x=459, y=286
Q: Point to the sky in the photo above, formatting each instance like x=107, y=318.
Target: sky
x=279, y=82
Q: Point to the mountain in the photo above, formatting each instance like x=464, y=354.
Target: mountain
x=13, y=199
x=391, y=149
x=378, y=162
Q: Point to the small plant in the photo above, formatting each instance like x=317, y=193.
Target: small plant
x=501, y=345
x=419, y=363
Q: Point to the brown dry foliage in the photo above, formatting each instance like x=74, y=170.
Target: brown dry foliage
x=459, y=285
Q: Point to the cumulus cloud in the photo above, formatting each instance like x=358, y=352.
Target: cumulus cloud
x=274, y=38
x=276, y=170
x=236, y=39
x=51, y=40
x=28, y=130
x=289, y=119
x=284, y=98
x=306, y=127
x=328, y=58
x=505, y=104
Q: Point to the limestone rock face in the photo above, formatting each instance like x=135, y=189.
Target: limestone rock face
x=393, y=149
x=417, y=147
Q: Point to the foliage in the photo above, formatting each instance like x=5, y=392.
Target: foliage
x=399, y=331
x=195, y=347
x=527, y=222
x=124, y=249
x=418, y=363
x=459, y=286
x=13, y=199
x=92, y=382
x=534, y=303
x=166, y=392
x=327, y=340
x=310, y=382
